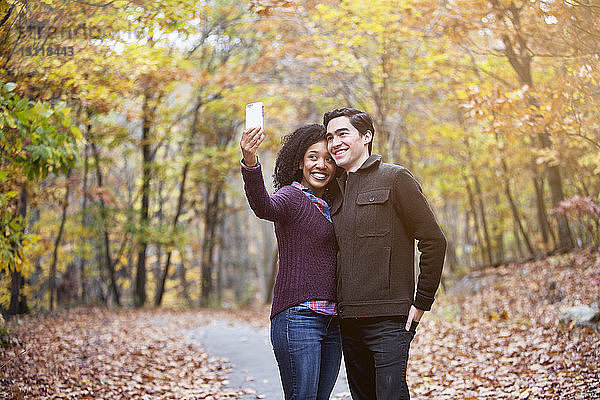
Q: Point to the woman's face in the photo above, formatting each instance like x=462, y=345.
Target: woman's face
x=318, y=168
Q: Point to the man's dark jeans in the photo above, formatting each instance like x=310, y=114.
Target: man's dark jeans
x=376, y=355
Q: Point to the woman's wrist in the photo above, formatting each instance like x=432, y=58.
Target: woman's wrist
x=250, y=161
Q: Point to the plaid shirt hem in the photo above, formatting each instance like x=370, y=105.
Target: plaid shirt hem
x=324, y=307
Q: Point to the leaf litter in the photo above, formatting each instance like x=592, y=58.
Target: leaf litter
x=498, y=337
x=112, y=354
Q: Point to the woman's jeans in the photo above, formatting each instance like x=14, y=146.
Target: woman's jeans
x=376, y=355
x=308, y=352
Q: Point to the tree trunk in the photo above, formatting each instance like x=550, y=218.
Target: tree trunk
x=517, y=219
x=451, y=258
x=84, y=221
x=542, y=216
x=498, y=230
x=52, y=280
x=511, y=201
x=485, y=247
x=67, y=290
x=220, y=261
x=224, y=256
x=564, y=233
x=156, y=267
x=109, y=264
x=165, y=273
x=486, y=232
x=467, y=239
x=520, y=253
x=18, y=300
x=185, y=286
x=96, y=288
x=139, y=296
x=239, y=266
x=211, y=218
x=127, y=271
x=480, y=240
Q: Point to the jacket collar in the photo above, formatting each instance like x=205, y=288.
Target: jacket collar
x=374, y=159
x=371, y=161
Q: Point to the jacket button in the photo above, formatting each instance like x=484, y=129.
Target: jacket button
x=372, y=199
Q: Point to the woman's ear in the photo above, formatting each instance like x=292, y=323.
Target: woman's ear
x=301, y=165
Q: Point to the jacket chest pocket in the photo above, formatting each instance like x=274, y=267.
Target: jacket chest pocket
x=373, y=213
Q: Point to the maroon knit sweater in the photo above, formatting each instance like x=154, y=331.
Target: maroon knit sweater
x=305, y=239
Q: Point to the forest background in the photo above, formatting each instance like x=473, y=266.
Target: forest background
x=120, y=122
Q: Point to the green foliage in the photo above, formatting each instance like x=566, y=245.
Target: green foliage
x=35, y=139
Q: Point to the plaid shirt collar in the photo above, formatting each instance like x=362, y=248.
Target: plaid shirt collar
x=321, y=204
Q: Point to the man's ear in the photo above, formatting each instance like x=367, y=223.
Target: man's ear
x=367, y=137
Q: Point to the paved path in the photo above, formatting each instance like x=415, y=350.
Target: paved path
x=249, y=351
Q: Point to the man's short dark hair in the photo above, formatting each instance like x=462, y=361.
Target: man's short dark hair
x=359, y=119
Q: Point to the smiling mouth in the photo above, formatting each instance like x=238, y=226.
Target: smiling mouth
x=319, y=176
x=340, y=152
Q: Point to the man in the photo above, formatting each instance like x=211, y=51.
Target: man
x=377, y=215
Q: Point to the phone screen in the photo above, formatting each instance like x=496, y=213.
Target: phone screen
x=254, y=115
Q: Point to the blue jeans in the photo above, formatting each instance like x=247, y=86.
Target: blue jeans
x=376, y=356
x=308, y=352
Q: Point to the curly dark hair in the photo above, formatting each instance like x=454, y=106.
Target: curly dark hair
x=292, y=153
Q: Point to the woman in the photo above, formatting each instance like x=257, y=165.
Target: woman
x=304, y=325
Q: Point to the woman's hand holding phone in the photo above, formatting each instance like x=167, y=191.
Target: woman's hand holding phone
x=250, y=142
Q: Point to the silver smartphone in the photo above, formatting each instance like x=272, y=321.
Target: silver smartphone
x=254, y=115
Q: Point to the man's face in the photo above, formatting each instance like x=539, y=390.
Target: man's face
x=347, y=146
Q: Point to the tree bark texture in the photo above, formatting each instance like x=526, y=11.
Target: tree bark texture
x=108, y=259
x=211, y=218
x=18, y=300
x=486, y=232
x=84, y=221
x=52, y=280
x=139, y=295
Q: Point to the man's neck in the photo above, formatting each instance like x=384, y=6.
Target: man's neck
x=355, y=166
